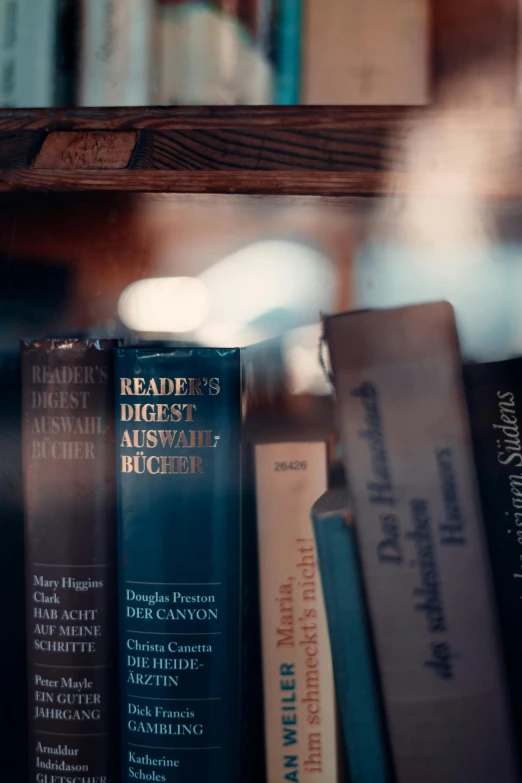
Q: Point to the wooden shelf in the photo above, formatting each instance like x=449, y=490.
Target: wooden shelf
x=339, y=151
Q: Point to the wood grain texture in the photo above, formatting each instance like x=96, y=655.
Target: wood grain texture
x=174, y=118
x=81, y=151
x=266, y=149
x=266, y=183
x=18, y=148
x=364, y=152
x=293, y=183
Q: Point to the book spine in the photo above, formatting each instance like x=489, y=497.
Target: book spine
x=178, y=463
x=70, y=535
x=288, y=53
x=13, y=716
x=494, y=394
x=363, y=53
x=139, y=40
x=252, y=739
x=66, y=54
x=408, y=452
x=300, y=715
x=27, y=80
x=356, y=679
x=8, y=31
x=200, y=51
x=116, y=52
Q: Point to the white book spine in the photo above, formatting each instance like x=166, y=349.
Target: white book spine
x=117, y=52
x=300, y=714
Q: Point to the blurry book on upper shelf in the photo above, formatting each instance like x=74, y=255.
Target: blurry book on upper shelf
x=116, y=53
x=366, y=52
x=244, y=52
x=28, y=38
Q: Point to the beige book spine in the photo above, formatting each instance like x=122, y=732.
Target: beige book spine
x=300, y=714
x=366, y=52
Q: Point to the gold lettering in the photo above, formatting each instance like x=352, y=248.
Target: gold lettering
x=125, y=386
x=166, y=386
x=126, y=464
x=196, y=465
x=126, y=411
x=126, y=441
x=152, y=388
x=181, y=386
x=194, y=388
x=139, y=386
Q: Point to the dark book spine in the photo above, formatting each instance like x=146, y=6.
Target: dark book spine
x=178, y=463
x=494, y=393
x=70, y=544
x=13, y=712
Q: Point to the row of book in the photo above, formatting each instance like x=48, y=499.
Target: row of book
x=166, y=557
x=222, y=52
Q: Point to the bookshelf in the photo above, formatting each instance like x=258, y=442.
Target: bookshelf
x=340, y=151
x=75, y=184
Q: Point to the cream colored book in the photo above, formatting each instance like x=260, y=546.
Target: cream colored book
x=366, y=52
x=300, y=713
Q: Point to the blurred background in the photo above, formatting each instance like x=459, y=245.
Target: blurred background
x=213, y=52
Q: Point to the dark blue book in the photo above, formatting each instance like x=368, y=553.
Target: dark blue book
x=355, y=673
x=494, y=397
x=178, y=436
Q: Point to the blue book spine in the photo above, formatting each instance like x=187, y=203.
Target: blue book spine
x=288, y=53
x=178, y=436
x=354, y=671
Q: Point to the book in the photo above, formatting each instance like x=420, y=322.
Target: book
x=299, y=699
x=217, y=53
x=494, y=394
x=27, y=53
x=366, y=52
x=179, y=456
x=198, y=53
x=288, y=52
x=13, y=704
x=356, y=679
x=67, y=52
x=252, y=723
x=255, y=73
x=407, y=448
x=117, y=50
x=70, y=548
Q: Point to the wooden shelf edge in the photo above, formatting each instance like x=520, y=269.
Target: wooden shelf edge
x=340, y=151
x=175, y=117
